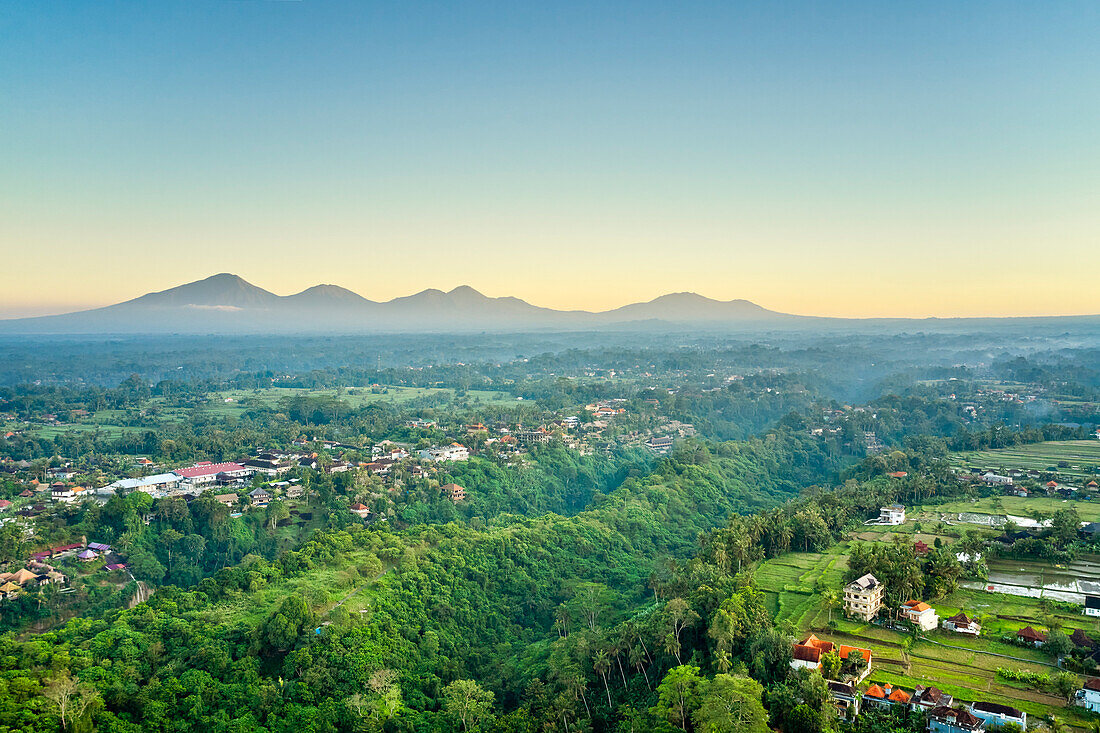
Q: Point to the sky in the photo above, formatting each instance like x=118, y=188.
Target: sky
x=847, y=159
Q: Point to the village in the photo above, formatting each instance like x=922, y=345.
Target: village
x=977, y=660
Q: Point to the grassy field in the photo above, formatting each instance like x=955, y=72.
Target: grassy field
x=962, y=666
x=1032, y=507
x=244, y=399
x=1082, y=457
x=104, y=429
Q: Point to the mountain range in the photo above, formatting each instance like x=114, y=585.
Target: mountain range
x=226, y=303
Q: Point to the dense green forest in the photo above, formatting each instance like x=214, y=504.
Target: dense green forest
x=585, y=583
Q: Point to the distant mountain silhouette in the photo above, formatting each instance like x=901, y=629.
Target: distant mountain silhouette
x=226, y=303
x=691, y=307
x=223, y=290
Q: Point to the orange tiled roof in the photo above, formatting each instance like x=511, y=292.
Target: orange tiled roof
x=845, y=650
x=899, y=695
x=875, y=691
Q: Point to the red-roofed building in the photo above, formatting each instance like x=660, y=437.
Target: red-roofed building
x=206, y=473
x=962, y=624
x=885, y=696
x=1088, y=696
x=1028, y=635
x=846, y=650
x=454, y=492
x=807, y=653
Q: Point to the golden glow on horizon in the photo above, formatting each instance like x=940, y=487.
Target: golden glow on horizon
x=992, y=262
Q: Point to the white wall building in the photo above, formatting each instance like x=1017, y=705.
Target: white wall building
x=154, y=485
x=1088, y=696
x=920, y=614
x=452, y=452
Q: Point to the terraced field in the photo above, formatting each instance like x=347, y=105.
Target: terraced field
x=789, y=584
x=962, y=666
x=1083, y=457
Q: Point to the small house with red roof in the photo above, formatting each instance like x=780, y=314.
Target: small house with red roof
x=846, y=651
x=927, y=698
x=1028, y=635
x=885, y=696
x=806, y=654
x=960, y=623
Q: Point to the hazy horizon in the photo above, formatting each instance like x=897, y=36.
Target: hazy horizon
x=867, y=160
x=46, y=311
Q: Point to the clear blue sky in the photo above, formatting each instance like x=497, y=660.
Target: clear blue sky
x=857, y=158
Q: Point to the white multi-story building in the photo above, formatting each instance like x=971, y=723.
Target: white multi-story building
x=863, y=597
x=892, y=514
x=452, y=452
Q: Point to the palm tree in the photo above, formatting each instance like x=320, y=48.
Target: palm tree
x=831, y=597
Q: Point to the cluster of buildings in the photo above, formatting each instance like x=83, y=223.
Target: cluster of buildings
x=37, y=573
x=936, y=704
x=1033, y=483
x=607, y=408
x=40, y=569
x=863, y=599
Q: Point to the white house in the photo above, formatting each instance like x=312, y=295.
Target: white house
x=452, y=452
x=920, y=614
x=892, y=514
x=992, y=478
x=1092, y=597
x=863, y=597
x=1088, y=696
x=65, y=493
x=157, y=484
x=997, y=715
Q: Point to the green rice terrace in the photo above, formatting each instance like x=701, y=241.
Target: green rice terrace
x=1069, y=458
x=960, y=665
